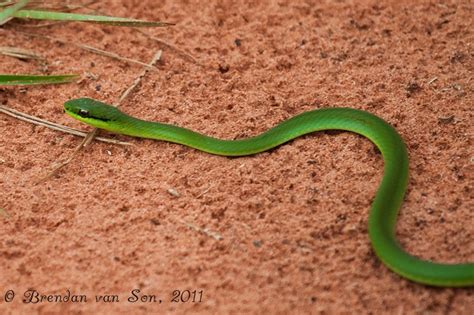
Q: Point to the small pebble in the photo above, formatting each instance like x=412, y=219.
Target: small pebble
x=173, y=192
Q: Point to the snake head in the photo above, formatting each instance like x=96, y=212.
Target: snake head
x=92, y=112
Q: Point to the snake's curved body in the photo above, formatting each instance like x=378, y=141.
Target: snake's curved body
x=388, y=199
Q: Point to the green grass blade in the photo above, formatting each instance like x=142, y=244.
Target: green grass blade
x=9, y=11
x=61, y=16
x=13, y=79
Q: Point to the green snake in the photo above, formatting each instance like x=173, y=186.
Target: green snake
x=388, y=199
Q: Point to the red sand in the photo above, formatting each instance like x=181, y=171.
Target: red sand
x=293, y=221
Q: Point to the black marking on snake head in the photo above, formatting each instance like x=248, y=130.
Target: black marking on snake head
x=84, y=113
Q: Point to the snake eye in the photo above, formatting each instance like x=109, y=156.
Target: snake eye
x=83, y=113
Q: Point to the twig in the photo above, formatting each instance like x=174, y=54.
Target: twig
x=179, y=52
x=206, y=231
x=65, y=162
x=51, y=125
x=125, y=94
x=432, y=80
x=204, y=192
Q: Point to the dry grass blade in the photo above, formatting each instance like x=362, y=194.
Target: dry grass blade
x=19, y=53
x=91, y=49
x=113, y=55
x=51, y=125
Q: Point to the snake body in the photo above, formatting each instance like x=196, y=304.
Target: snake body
x=387, y=201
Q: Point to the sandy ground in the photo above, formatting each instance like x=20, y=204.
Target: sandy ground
x=284, y=231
